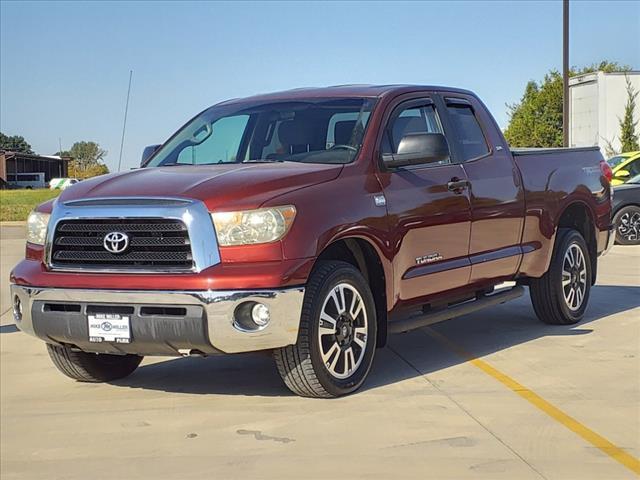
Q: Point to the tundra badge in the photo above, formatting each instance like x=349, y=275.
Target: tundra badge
x=432, y=257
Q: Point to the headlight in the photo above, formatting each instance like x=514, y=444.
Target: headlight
x=37, y=227
x=253, y=226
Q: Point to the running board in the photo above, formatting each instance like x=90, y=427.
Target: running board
x=419, y=321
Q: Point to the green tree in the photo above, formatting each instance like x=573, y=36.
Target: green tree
x=536, y=121
x=628, y=136
x=86, y=160
x=604, y=66
x=14, y=143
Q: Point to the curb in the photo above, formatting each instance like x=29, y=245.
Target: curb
x=14, y=223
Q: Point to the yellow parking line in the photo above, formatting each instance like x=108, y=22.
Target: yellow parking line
x=615, y=452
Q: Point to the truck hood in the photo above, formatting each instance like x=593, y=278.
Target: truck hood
x=220, y=187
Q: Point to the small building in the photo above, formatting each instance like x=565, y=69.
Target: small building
x=12, y=163
x=596, y=105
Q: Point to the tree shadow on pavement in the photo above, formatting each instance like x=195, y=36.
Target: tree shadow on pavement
x=481, y=333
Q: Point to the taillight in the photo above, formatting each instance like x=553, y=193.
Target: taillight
x=606, y=170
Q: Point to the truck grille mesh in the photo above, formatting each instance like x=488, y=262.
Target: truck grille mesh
x=154, y=244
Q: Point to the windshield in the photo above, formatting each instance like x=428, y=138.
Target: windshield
x=615, y=161
x=635, y=179
x=311, y=131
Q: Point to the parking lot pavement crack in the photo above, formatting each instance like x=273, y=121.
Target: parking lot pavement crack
x=258, y=435
x=467, y=412
x=451, y=442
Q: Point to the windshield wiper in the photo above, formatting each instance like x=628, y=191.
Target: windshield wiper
x=172, y=164
x=178, y=164
x=265, y=160
x=261, y=160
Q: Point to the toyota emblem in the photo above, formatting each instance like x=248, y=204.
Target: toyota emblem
x=116, y=242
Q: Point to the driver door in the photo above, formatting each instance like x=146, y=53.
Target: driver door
x=429, y=219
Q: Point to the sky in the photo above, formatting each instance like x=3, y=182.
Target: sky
x=64, y=66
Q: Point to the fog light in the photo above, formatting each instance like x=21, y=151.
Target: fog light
x=260, y=314
x=251, y=316
x=17, y=309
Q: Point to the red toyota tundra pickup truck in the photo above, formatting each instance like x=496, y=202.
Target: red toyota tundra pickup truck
x=311, y=223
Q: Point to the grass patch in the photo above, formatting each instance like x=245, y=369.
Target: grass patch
x=16, y=204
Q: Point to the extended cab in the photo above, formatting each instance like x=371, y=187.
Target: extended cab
x=310, y=223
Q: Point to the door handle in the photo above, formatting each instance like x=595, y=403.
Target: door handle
x=456, y=185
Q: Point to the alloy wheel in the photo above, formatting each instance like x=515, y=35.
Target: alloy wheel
x=343, y=331
x=629, y=226
x=574, y=277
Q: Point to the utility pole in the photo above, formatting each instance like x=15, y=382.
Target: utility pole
x=565, y=73
x=124, y=125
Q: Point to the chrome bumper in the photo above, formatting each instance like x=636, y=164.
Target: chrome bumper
x=217, y=325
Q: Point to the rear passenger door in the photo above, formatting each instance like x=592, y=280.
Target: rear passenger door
x=496, y=192
x=429, y=221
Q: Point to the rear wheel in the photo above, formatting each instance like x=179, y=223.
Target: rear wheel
x=561, y=295
x=337, y=336
x=627, y=223
x=92, y=367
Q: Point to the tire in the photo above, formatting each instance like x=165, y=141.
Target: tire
x=92, y=367
x=627, y=222
x=552, y=301
x=319, y=365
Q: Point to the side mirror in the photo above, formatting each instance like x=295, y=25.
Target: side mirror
x=622, y=174
x=147, y=152
x=418, y=148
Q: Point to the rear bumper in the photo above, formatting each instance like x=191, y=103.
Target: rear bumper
x=611, y=239
x=207, y=322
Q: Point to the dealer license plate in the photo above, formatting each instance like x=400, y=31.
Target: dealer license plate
x=109, y=327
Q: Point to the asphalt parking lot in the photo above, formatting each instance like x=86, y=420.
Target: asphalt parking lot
x=495, y=395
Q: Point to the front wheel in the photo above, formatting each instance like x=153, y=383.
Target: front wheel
x=561, y=295
x=627, y=223
x=92, y=367
x=337, y=336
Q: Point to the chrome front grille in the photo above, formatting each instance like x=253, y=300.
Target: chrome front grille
x=165, y=235
x=153, y=243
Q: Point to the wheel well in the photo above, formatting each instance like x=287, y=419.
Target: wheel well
x=615, y=212
x=578, y=217
x=364, y=257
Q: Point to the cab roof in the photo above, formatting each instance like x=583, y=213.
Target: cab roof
x=343, y=91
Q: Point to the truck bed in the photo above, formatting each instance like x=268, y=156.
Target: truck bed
x=552, y=179
x=548, y=151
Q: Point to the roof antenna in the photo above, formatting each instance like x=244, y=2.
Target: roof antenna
x=124, y=125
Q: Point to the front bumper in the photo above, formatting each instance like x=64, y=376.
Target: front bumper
x=207, y=324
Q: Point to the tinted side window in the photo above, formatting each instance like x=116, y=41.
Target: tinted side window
x=415, y=119
x=468, y=132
